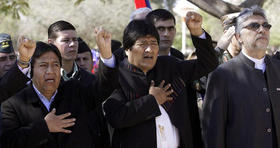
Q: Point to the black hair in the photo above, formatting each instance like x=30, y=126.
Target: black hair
x=83, y=46
x=41, y=49
x=159, y=14
x=59, y=26
x=115, y=45
x=137, y=29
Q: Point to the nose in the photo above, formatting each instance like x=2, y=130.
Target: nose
x=148, y=49
x=82, y=62
x=166, y=32
x=262, y=29
x=72, y=43
x=49, y=69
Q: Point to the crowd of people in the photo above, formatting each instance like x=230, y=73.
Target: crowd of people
x=144, y=93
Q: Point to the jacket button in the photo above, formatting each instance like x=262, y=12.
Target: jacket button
x=269, y=130
x=264, y=89
x=267, y=110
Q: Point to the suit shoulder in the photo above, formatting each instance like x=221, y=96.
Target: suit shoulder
x=19, y=98
x=176, y=53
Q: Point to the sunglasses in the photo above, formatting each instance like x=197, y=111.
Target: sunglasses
x=256, y=26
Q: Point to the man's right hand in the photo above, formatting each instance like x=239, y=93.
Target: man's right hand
x=161, y=93
x=26, y=48
x=59, y=123
x=103, y=41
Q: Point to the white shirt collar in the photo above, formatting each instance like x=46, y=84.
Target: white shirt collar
x=259, y=63
x=44, y=100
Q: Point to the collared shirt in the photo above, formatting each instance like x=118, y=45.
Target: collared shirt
x=167, y=133
x=64, y=73
x=47, y=103
x=259, y=63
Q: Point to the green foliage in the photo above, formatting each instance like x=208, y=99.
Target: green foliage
x=14, y=7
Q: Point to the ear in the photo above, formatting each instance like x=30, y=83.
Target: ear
x=238, y=38
x=50, y=41
x=127, y=52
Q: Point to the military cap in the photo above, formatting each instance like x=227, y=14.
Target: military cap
x=6, y=45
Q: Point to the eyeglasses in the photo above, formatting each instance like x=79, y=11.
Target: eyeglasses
x=256, y=26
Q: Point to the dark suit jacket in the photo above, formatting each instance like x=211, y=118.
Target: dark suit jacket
x=192, y=105
x=11, y=83
x=24, y=125
x=99, y=87
x=14, y=81
x=242, y=105
x=132, y=111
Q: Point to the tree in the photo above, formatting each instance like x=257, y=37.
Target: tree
x=14, y=7
x=218, y=8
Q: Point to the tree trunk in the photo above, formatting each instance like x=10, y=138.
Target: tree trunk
x=218, y=8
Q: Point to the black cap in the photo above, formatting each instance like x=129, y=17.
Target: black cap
x=6, y=45
x=82, y=47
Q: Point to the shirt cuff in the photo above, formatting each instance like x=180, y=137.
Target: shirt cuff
x=25, y=71
x=109, y=62
x=203, y=36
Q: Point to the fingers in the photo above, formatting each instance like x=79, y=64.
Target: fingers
x=167, y=87
x=191, y=15
x=100, y=32
x=169, y=98
x=169, y=92
x=152, y=83
x=161, y=84
x=68, y=120
x=65, y=125
x=63, y=116
x=65, y=131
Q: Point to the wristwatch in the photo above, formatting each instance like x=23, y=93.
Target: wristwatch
x=23, y=63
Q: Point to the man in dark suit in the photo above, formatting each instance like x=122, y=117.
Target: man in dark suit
x=242, y=103
x=165, y=22
x=48, y=113
x=63, y=35
x=144, y=111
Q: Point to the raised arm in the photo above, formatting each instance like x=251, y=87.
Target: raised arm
x=207, y=60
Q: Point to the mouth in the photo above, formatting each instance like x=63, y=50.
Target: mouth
x=165, y=41
x=148, y=57
x=49, y=80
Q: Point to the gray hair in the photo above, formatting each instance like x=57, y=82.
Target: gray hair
x=245, y=14
x=140, y=11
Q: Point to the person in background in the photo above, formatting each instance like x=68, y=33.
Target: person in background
x=84, y=57
x=7, y=54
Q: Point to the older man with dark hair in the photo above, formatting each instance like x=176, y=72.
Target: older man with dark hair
x=48, y=113
x=242, y=107
x=150, y=109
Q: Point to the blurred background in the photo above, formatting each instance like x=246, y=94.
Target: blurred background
x=32, y=17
